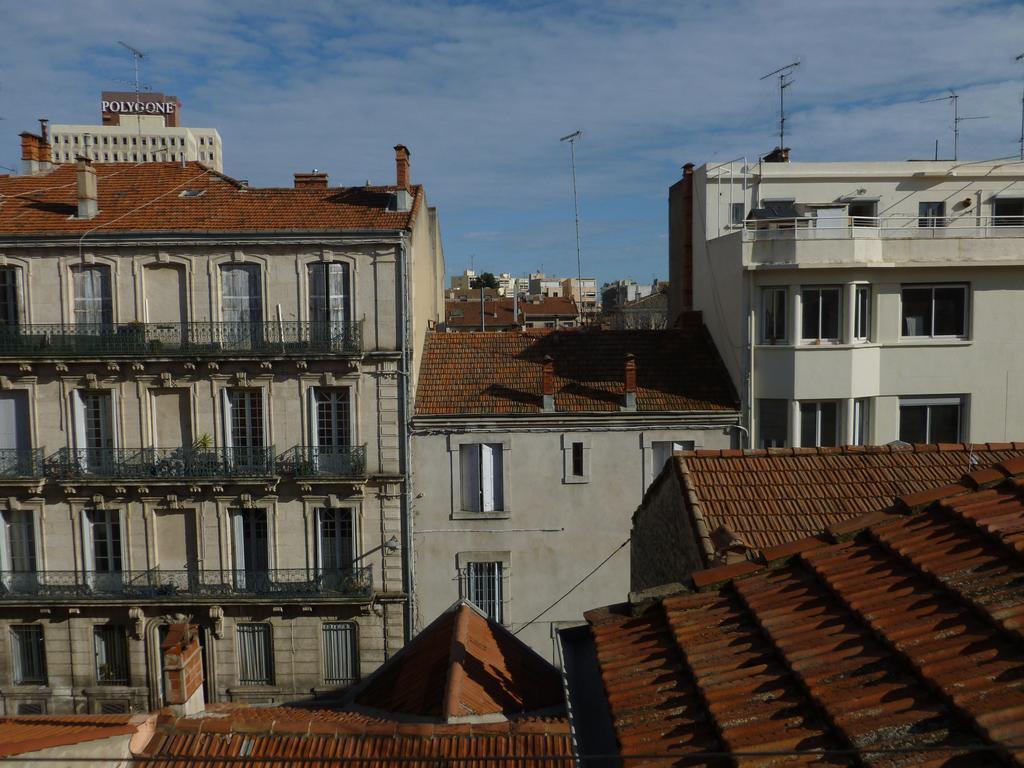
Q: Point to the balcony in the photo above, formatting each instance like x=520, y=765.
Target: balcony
x=189, y=339
x=306, y=461
x=18, y=464
x=160, y=463
x=883, y=227
x=183, y=585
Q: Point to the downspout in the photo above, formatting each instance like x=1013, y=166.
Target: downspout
x=403, y=426
x=751, y=330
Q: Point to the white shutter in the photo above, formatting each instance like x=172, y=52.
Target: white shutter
x=487, y=477
x=88, y=551
x=9, y=421
x=239, y=541
x=78, y=422
x=318, y=542
x=469, y=468
x=497, y=477
x=314, y=439
x=225, y=407
x=5, y=545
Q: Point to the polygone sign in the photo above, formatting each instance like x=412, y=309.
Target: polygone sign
x=139, y=104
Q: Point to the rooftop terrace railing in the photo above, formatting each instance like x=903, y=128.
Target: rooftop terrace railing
x=185, y=338
x=883, y=227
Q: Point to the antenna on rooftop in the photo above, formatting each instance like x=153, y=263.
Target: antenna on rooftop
x=955, y=98
x=571, y=138
x=1021, y=58
x=785, y=75
x=137, y=56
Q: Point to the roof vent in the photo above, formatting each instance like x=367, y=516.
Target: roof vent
x=192, y=193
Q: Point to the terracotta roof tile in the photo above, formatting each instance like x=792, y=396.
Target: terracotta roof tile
x=500, y=373
x=906, y=637
x=30, y=733
x=146, y=198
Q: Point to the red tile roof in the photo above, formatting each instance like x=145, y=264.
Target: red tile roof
x=500, y=373
x=463, y=665
x=147, y=198
x=31, y=733
x=501, y=313
x=899, y=632
x=767, y=497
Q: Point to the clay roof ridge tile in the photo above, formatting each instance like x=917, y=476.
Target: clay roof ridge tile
x=456, y=663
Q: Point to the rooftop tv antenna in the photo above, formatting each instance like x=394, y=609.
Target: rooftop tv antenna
x=137, y=56
x=785, y=75
x=957, y=119
x=571, y=138
x=1021, y=58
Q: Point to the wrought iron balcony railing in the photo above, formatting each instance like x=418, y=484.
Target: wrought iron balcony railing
x=160, y=463
x=184, y=338
x=314, y=461
x=158, y=584
x=17, y=463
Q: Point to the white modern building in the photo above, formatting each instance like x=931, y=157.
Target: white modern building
x=140, y=128
x=859, y=302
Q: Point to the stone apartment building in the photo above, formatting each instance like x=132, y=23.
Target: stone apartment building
x=203, y=389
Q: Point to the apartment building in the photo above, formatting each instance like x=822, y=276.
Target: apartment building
x=583, y=292
x=531, y=449
x=203, y=389
x=859, y=302
x=465, y=313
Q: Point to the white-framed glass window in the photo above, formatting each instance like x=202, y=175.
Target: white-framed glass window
x=861, y=312
x=105, y=536
x=773, y=314
x=329, y=293
x=772, y=423
x=336, y=540
x=251, y=540
x=93, y=297
x=737, y=214
x=1008, y=212
x=241, y=304
x=484, y=588
x=861, y=421
x=28, y=654
x=255, y=654
x=246, y=418
x=330, y=413
x=19, y=542
x=931, y=419
x=482, y=474
x=341, y=653
x=820, y=313
x=934, y=311
x=110, y=646
x=819, y=424
x=931, y=214
x=93, y=415
x=662, y=451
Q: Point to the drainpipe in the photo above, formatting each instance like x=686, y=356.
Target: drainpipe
x=751, y=331
x=406, y=442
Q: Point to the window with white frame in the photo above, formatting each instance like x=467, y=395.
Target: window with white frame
x=251, y=540
x=111, y=650
x=861, y=417
x=336, y=542
x=341, y=653
x=819, y=424
x=772, y=423
x=244, y=427
x=330, y=415
x=255, y=654
x=28, y=655
x=93, y=296
x=931, y=214
x=820, y=314
x=575, y=458
x=482, y=473
x=10, y=296
x=737, y=214
x=329, y=299
x=105, y=539
x=484, y=587
x=663, y=449
x=861, y=312
x=930, y=311
x=931, y=419
x=773, y=314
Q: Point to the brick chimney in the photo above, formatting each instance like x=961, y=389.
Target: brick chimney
x=778, y=155
x=35, y=151
x=88, y=203
x=629, y=385
x=183, y=669
x=403, y=197
x=315, y=180
x=547, y=384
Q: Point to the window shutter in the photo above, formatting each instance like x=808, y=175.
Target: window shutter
x=225, y=402
x=110, y=418
x=486, y=478
x=238, y=540
x=88, y=551
x=469, y=460
x=5, y=545
x=78, y=421
x=497, y=477
x=314, y=422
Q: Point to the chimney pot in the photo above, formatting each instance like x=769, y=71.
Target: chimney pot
x=548, y=383
x=629, y=386
x=88, y=203
x=314, y=180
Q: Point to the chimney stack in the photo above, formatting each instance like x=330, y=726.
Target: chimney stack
x=547, y=383
x=183, y=669
x=88, y=203
x=778, y=155
x=403, y=197
x=35, y=151
x=315, y=180
x=629, y=387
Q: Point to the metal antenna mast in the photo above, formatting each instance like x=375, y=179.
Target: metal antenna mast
x=955, y=98
x=1021, y=58
x=785, y=75
x=137, y=56
x=571, y=138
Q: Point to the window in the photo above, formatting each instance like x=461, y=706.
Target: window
x=329, y=304
x=255, y=654
x=737, y=214
x=111, y=649
x=134, y=141
x=251, y=548
x=94, y=428
x=28, y=655
x=341, y=655
x=931, y=420
x=9, y=295
x=241, y=304
x=861, y=312
x=1008, y=212
x=861, y=414
x=19, y=552
x=484, y=588
x=663, y=450
x=245, y=411
x=105, y=532
x=773, y=308
x=819, y=424
x=482, y=477
x=936, y=310
x=336, y=541
x=863, y=213
x=820, y=314
x=93, y=302
x=931, y=214
x=577, y=460
x=772, y=423
x=331, y=426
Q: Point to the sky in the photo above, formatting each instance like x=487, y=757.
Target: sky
x=482, y=92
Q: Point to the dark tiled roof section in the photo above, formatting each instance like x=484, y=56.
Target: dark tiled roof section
x=768, y=497
x=501, y=313
x=463, y=665
x=500, y=373
x=902, y=635
x=31, y=733
x=147, y=198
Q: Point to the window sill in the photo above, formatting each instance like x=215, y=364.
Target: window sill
x=574, y=480
x=464, y=515
x=932, y=341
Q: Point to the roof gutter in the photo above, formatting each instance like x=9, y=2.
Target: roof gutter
x=186, y=236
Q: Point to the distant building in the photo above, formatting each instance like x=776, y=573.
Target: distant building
x=621, y=292
x=137, y=128
x=464, y=281
x=584, y=293
x=505, y=314
x=649, y=313
x=542, y=285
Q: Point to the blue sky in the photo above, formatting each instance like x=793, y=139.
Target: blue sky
x=481, y=93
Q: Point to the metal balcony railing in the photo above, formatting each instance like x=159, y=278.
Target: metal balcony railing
x=314, y=461
x=156, y=584
x=17, y=463
x=883, y=227
x=160, y=463
x=185, y=338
